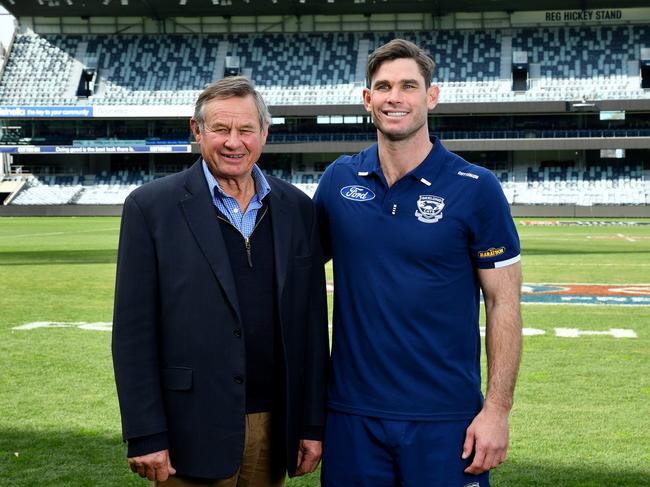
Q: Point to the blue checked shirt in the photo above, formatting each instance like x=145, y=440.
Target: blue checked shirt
x=244, y=222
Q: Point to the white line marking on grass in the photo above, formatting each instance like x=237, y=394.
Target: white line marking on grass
x=530, y=288
x=41, y=324
x=559, y=332
x=631, y=290
x=98, y=326
x=576, y=333
x=49, y=234
x=554, y=239
x=621, y=236
x=527, y=332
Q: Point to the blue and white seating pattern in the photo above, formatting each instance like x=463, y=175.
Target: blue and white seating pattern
x=597, y=185
x=320, y=68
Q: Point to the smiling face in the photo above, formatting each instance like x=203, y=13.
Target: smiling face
x=399, y=101
x=231, y=140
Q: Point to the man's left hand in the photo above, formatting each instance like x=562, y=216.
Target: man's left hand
x=487, y=436
x=309, y=453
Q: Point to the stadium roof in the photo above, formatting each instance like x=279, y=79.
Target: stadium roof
x=190, y=8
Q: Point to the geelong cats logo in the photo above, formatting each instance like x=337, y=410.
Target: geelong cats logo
x=429, y=208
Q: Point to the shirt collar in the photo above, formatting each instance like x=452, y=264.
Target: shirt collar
x=425, y=172
x=262, y=187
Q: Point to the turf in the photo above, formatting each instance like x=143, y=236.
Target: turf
x=582, y=406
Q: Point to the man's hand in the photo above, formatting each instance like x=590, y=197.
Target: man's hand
x=487, y=436
x=309, y=453
x=154, y=466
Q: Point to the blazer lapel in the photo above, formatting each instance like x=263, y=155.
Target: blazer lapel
x=199, y=211
x=281, y=223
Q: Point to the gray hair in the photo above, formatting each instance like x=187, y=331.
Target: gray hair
x=230, y=87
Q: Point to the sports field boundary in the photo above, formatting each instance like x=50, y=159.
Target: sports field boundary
x=548, y=211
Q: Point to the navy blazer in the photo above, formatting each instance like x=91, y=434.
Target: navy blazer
x=174, y=351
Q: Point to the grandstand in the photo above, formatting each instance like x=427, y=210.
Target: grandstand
x=94, y=98
x=571, y=63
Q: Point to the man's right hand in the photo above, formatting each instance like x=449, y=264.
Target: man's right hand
x=154, y=466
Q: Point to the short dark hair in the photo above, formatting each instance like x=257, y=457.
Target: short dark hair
x=400, y=49
x=232, y=86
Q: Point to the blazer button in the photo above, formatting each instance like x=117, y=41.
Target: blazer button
x=237, y=332
x=239, y=379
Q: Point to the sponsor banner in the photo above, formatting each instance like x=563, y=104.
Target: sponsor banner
x=583, y=223
x=116, y=149
x=46, y=112
x=98, y=111
x=357, y=192
x=590, y=300
x=630, y=295
x=591, y=294
x=572, y=17
x=148, y=111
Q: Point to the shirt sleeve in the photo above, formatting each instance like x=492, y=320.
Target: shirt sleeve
x=494, y=240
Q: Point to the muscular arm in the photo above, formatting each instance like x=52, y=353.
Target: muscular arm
x=488, y=433
x=501, y=292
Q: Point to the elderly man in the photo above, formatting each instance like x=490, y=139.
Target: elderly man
x=415, y=233
x=220, y=340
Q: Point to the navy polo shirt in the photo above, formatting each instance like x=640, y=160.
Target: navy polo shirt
x=406, y=341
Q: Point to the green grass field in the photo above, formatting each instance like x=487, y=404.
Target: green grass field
x=582, y=406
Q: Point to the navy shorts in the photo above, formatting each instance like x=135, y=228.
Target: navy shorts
x=361, y=451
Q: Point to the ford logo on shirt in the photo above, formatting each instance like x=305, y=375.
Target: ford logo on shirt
x=357, y=193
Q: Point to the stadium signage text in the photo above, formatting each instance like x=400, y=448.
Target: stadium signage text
x=46, y=112
x=583, y=15
x=110, y=149
x=98, y=111
x=579, y=16
x=93, y=150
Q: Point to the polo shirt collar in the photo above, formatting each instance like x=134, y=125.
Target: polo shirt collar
x=425, y=172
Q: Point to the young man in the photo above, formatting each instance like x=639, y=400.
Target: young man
x=415, y=232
